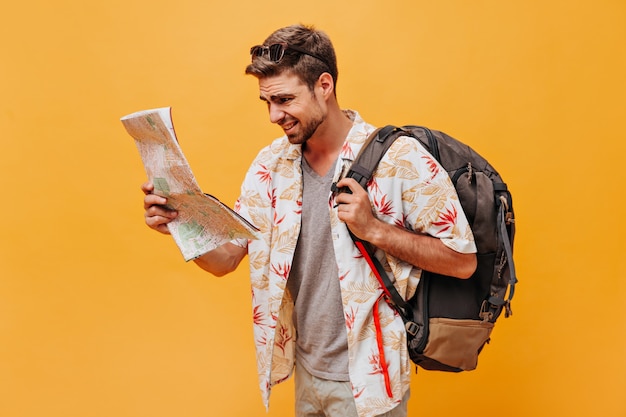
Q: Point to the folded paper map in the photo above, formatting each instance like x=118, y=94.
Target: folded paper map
x=203, y=222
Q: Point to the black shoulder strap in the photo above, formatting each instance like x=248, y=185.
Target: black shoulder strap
x=377, y=145
x=392, y=296
x=362, y=169
x=371, y=153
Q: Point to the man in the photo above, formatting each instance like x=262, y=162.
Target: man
x=317, y=304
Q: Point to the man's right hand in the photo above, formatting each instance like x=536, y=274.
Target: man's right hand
x=157, y=216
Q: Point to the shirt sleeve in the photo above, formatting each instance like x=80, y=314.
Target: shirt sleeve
x=430, y=202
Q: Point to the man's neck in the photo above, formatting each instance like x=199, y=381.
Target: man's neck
x=321, y=150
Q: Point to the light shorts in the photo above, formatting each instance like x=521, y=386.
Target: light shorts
x=316, y=397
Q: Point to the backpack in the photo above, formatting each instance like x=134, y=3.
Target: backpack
x=449, y=320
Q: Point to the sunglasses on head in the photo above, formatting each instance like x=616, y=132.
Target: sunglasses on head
x=276, y=51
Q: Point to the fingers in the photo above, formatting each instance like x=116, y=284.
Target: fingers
x=147, y=187
x=349, y=183
x=153, y=200
x=158, y=223
x=160, y=213
x=352, y=191
x=157, y=215
x=354, y=208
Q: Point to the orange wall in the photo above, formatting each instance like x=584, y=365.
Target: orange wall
x=100, y=317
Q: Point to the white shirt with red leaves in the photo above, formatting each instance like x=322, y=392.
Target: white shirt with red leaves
x=409, y=189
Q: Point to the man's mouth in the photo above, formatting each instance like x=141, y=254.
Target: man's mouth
x=288, y=126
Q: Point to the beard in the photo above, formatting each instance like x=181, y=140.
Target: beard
x=307, y=129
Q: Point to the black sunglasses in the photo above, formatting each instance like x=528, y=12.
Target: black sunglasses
x=275, y=52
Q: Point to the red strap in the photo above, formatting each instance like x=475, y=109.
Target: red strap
x=367, y=257
x=381, y=350
x=379, y=333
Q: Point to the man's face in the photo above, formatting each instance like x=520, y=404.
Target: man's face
x=292, y=106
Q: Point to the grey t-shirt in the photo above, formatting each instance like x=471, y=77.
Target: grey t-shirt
x=322, y=345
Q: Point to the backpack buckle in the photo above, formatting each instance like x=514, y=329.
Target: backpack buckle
x=508, y=312
x=488, y=308
x=508, y=216
x=411, y=328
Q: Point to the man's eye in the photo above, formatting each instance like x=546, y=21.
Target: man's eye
x=284, y=100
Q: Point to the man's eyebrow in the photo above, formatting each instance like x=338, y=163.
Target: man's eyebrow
x=276, y=97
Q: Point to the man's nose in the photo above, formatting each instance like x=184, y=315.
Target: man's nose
x=276, y=113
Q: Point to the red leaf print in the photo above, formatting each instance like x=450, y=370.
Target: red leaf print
x=432, y=165
x=372, y=186
x=257, y=316
x=282, y=270
x=384, y=206
x=448, y=219
x=272, y=196
x=277, y=220
x=264, y=174
x=282, y=379
x=346, y=151
x=282, y=338
x=350, y=318
x=376, y=366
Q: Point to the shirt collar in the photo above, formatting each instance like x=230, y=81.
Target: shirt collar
x=357, y=135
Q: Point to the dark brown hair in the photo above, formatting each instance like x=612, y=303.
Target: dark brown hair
x=306, y=67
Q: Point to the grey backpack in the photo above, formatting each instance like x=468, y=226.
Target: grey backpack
x=449, y=320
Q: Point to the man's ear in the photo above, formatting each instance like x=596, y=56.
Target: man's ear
x=327, y=84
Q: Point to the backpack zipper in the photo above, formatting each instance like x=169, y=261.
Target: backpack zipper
x=466, y=169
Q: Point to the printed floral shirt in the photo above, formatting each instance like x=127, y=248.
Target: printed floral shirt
x=409, y=189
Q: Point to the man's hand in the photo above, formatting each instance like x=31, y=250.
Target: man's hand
x=423, y=251
x=157, y=216
x=355, y=209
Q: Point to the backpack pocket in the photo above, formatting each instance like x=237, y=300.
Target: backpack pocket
x=457, y=343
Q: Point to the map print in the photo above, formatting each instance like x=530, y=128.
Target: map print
x=203, y=222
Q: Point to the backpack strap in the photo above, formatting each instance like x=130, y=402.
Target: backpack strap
x=494, y=304
x=504, y=218
x=371, y=153
x=362, y=170
x=391, y=294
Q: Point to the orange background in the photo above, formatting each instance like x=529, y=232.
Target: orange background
x=100, y=316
